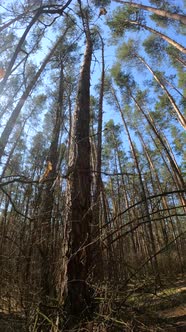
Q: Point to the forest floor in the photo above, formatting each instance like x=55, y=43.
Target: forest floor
x=141, y=309
x=159, y=310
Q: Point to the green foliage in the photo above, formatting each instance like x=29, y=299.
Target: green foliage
x=94, y=106
x=183, y=103
x=107, y=83
x=112, y=134
x=165, y=22
x=174, y=53
x=159, y=3
x=95, y=38
x=112, y=127
x=163, y=102
x=142, y=97
x=155, y=47
x=127, y=51
x=112, y=143
x=162, y=111
x=101, y=3
x=122, y=80
x=179, y=140
x=120, y=21
x=161, y=21
x=181, y=78
x=38, y=151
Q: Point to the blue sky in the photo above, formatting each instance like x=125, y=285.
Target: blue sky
x=110, y=50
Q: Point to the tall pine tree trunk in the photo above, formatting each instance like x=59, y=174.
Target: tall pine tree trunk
x=79, y=194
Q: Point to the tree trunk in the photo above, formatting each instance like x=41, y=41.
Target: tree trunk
x=41, y=10
x=79, y=195
x=160, y=12
x=44, y=229
x=180, y=116
x=178, y=175
x=12, y=120
x=98, y=263
x=149, y=231
x=161, y=35
x=164, y=226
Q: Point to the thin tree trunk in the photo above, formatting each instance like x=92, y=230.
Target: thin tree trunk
x=164, y=203
x=44, y=230
x=7, y=24
x=178, y=177
x=150, y=236
x=180, y=116
x=41, y=10
x=12, y=120
x=98, y=264
x=173, y=87
x=17, y=50
x=162, y=35
x=160, y=12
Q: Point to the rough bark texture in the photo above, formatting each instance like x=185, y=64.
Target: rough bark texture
x=79, y=200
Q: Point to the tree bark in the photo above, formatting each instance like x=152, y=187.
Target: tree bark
x=160, y=12
x=78, y=301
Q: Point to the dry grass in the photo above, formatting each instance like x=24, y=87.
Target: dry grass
x=138, y=308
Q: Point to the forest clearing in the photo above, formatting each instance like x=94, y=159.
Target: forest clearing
x=92, y=166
